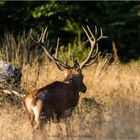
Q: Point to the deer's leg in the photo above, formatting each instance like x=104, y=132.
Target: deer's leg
x=67, y=121
x=66, y=126
x=31, y=117
x=28, y=108
x=37, y=109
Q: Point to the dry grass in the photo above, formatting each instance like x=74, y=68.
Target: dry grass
x=110, y=109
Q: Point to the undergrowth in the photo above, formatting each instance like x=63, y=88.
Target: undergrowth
x=108, y=110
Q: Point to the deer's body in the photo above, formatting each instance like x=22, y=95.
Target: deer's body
x=60, y=96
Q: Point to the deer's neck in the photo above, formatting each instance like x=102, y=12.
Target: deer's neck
x=68, y=78
x=75, y=91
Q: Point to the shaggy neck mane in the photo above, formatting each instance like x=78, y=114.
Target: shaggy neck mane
x=68, y=78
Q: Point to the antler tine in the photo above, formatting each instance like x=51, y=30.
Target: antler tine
x=56, y=51
x=58, y=63
x=101, y=31
x=43, y=35
x=96, y=31
x=40, y=42
x=32, y=36
x=92, y=61
x=56, y=57
x=36, y=41
x=92, y=41
x=41, y=39
x=96, y=51
x=91, y=34
x=101, y=35
x=89, y=38
x=93, y=57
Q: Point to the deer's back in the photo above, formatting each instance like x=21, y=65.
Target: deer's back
x=57, y=95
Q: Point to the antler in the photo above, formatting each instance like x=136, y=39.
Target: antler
x=93, y=46
x=41, y=41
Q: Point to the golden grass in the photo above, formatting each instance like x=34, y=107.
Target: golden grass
x=109, y=109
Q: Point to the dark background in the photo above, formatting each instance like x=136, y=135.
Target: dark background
x=120, y=20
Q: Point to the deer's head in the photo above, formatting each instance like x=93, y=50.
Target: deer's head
x=73, y=73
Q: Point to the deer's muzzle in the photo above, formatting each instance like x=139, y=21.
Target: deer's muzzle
x=84, y=88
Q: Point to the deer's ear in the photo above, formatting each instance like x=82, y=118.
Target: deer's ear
x=76, y=66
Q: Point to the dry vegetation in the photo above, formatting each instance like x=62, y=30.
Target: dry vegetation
x=109, y=109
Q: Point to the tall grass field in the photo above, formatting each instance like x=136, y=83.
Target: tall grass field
x=110, y=109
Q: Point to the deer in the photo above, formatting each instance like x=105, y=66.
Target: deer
x=58, y=99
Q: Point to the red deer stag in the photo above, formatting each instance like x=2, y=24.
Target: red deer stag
x=60, y=96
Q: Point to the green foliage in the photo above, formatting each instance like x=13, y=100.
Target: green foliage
x=74, y=50
x=2, y=3
x=119, y=20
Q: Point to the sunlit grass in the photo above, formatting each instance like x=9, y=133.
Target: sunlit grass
x=109, y=109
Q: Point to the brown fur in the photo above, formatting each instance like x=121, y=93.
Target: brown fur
x=56, y=100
